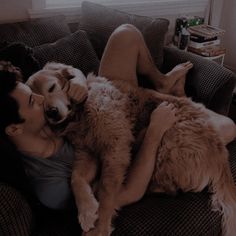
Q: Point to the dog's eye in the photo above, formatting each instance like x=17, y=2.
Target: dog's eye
x=52, y=88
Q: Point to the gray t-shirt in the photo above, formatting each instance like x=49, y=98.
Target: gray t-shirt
x=50, y=177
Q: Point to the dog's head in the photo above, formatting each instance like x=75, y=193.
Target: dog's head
x=50, y=82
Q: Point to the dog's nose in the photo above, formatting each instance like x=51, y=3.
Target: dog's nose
x=53, y=113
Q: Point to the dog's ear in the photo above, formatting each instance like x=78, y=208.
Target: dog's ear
x=64, y=75
x=67, y=73
x=63, y=72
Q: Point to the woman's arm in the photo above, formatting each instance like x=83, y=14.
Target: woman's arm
x=162, y=118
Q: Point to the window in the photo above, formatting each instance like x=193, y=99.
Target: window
x=52, y=4
x=67, y=3
x=152, y=8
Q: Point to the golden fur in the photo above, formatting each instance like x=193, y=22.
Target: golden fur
x=191, y=155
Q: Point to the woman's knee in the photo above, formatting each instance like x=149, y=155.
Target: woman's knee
x=127, y=28
x=126, y=33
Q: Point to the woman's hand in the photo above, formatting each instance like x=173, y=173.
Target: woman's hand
x=76, y=89
x=163, y=117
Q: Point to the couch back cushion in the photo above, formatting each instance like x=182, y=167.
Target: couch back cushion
x=35, y=32
x=74, y=49
x=100, y=21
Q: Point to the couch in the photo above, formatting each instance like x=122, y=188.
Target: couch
x=51, y=39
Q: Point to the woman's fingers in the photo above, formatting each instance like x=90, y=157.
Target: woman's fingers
x=168, y=104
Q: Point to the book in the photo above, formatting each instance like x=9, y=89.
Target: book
x=206, y=31
x=201, y=39
x=204, y=44
x=209, y=51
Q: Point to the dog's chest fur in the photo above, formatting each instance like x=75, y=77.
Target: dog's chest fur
x=108, y=115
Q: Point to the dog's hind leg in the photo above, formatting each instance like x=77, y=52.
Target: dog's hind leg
x=84, y=172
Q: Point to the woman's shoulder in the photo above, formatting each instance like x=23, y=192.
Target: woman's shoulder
x=60, y=163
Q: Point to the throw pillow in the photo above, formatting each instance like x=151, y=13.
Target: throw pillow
x=100, y=21
x=35, y=32
x=74, y=49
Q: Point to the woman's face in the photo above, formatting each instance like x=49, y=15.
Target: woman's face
x=31, y=108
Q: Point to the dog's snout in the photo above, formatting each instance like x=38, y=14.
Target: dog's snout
x=53, y=113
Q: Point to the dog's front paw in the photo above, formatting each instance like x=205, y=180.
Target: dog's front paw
x=88, y=214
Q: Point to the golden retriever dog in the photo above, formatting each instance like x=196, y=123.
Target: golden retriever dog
x=103, y=129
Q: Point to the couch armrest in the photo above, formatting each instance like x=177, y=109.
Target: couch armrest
x=208, y=82
x=19, y=218
x=15, y=213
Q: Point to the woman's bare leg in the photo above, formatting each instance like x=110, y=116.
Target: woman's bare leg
x=127, y=55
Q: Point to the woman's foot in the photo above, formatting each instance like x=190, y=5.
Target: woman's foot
x=174, y=81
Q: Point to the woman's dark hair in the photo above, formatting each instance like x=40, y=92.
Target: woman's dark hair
x=9, y=108
x=19, y=55
x=11, y=166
